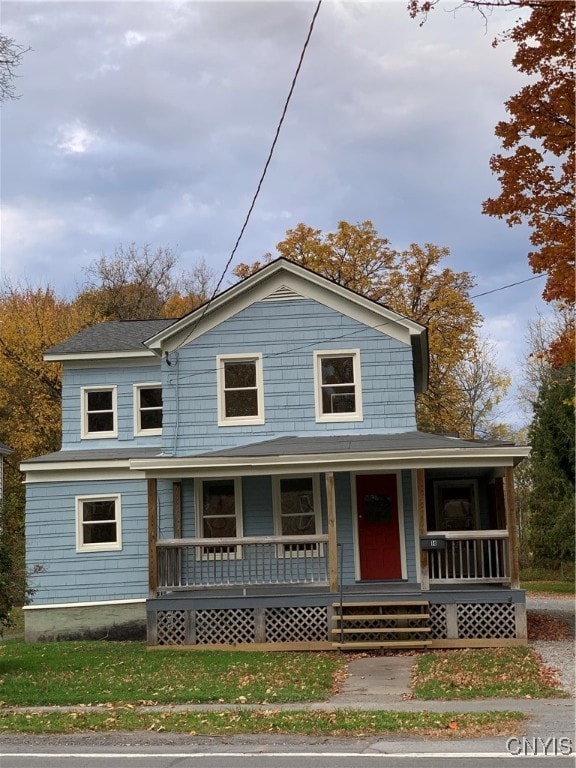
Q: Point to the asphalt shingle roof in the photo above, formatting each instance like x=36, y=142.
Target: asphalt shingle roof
x=99, y=454
x=113, y=336
x=403, y=441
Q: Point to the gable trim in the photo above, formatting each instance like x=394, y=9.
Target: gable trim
x=280, y=275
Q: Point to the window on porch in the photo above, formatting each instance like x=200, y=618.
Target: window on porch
x=297, y=511
x=220, y=514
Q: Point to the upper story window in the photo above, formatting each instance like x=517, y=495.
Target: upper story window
x=98, y=525
x=240, y=389
x=338, y=392
x=147, y=409
x=99, y=412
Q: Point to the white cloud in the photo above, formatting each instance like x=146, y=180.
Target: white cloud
x=133, y=38
x=29, y=226
x=75, y=138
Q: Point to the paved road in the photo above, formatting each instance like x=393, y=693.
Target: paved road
x=381, y=754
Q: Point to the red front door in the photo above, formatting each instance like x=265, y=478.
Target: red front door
x=378, y=528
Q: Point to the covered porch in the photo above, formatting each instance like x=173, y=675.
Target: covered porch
x=457, y=550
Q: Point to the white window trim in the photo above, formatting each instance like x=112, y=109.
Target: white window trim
x=138, y=431
x=333, y=417
x=85, y=434
x=227, y=421
x=277, y=507
x=199, y=500
x=109, y=546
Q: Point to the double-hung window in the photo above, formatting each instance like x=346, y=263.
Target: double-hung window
x=99, y=412
x=240, y=389
x=297, y=511
x=98, y=523
x=147, y=409
x=338, y=393
x=220, y=514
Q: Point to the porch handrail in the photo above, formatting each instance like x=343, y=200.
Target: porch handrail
x=497, y=533
x=194, y=563
x=482, y=557
x=237, y=541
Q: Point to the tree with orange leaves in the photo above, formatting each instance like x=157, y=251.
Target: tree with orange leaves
x=536, y=167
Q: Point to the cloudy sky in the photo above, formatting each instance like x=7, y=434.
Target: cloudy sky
x=150, y=122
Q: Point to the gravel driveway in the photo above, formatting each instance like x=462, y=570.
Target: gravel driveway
x=557, y=654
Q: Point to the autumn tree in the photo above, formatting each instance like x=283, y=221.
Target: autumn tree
x=354, y=256
x=32, y=320
x=414, y=283
x=536, y=167
x=421, y=288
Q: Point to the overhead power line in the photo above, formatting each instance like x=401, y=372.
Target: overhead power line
x=510, y=285
x=264, y=172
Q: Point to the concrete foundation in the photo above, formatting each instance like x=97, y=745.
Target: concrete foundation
x=108, y=621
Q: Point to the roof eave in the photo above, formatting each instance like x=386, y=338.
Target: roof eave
x=507, y=456
x=63, y=357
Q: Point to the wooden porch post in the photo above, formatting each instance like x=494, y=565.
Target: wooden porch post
x=332, y=537
x=422, y=526
x=511, y=527
x=152, y=537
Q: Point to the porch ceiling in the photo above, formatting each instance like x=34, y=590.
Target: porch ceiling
x=407, y=450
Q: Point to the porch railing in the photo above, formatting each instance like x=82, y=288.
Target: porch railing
x=470, y=556
x=244, y=561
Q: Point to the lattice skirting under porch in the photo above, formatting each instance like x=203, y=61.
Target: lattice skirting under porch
x=475, y=621
x=234, y=626
x=310, y=624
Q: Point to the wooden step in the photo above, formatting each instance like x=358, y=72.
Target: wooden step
x=383, y=644
x=379, y=630
x=375, y=604
x=380, y=616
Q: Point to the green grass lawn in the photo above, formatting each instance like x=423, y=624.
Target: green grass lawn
x=551, y=587
x=128, y=679
x=126, y=673
x=482, y=673
x=340, y=723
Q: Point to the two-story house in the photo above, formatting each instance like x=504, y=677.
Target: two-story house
x=252, y=474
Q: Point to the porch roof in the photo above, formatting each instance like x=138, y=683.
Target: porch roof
x=405, y=450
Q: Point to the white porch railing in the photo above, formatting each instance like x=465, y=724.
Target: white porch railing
x=243, y=561
x=470, y=556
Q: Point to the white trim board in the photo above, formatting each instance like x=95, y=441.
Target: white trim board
x=88, y=604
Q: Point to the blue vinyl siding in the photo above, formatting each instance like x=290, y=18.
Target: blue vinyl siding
x=62, y=575
x=286, y=334
x=119, y=374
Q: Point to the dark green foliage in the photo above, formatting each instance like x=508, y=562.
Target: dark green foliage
x=551, y=502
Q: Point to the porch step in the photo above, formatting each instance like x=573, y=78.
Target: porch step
x=372, y=625
x=387, y=604
x=391, y=644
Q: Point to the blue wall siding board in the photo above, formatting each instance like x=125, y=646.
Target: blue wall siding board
x=286, y=334
x=119, y=374
x=60, y=574
x=387, y=390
